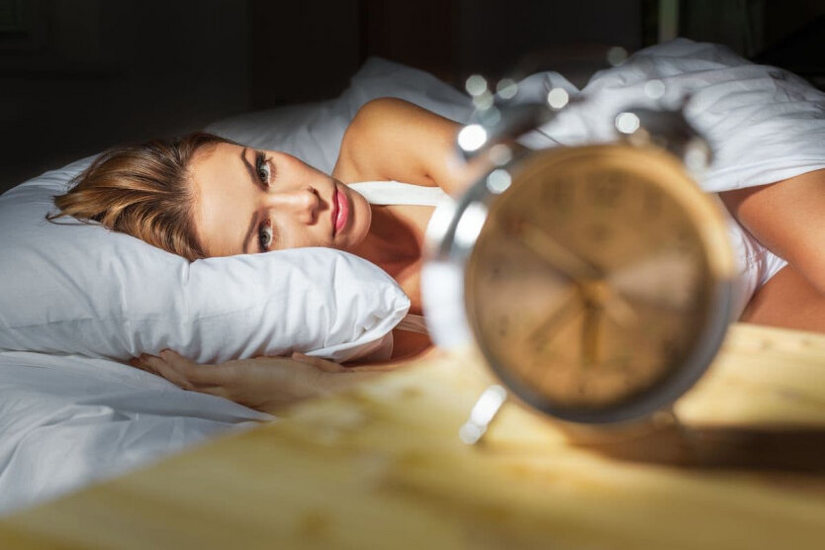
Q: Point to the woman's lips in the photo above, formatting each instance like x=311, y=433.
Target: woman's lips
x=334, y=212
x=340, y=211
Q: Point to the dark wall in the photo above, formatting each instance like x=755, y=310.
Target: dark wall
x=748, y=26
x=570, y=37
x=302, y=51
x=79, y=75
x=90, y=73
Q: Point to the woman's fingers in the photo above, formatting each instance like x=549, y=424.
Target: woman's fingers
x=202, y=375
x=317, y=362
x=346, y=380
x=179, y=370
x=329, y=366
x=373, y=368
x=193, y=372
x=136, y=362
x=161, y=367
x=264, y=383
x=186, y=374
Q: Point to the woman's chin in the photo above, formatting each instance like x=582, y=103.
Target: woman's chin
x=353, y=239
x=360, y=221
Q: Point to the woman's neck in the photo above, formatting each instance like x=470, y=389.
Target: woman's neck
x=391, y=244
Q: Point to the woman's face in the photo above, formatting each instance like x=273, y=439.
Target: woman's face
x=249, y=201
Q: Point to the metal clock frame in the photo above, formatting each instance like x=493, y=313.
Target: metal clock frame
x=450, y=241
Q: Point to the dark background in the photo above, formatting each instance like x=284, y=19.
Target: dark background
x=77, y=76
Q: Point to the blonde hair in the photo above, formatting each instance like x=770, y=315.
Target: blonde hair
x=144, y=191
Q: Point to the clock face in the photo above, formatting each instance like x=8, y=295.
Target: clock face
x=590, y=284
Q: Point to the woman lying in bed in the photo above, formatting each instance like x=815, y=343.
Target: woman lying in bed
x=203, y=197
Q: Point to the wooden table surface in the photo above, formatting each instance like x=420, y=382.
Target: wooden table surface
x=382, y=467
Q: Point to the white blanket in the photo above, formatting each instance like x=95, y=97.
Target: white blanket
x=763, y=124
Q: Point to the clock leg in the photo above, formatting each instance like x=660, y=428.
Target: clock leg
x=482, y=414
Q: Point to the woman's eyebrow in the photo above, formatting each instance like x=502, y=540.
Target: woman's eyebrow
x=253, y=224
x=253, y=176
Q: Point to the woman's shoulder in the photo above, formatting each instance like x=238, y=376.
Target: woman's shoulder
x=363, y=145
x=381, y=113
x=393, y=139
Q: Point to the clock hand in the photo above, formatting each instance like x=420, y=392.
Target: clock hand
x=589, y=335
x=620, y=310
x=601, y=294
x=637, y=282
x=556, y=254
x=539, y=337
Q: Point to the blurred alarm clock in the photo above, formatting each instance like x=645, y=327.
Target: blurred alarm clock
x=596, y=281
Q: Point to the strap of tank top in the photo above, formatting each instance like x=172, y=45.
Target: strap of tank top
x=395, y=192
x=413, y=323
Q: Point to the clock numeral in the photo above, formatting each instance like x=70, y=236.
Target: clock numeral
x=682, y=240
x=559, y=196
x=605, y=191
x=494, y=275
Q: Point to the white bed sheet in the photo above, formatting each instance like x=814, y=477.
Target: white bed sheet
x=68, y=420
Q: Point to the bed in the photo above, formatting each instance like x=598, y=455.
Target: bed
x=72, y=412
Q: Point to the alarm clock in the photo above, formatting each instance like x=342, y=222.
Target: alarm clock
x=596, y=281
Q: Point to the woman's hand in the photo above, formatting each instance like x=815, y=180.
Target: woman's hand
x=263, y=383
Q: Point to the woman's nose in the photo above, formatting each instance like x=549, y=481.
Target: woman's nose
x=302, y=202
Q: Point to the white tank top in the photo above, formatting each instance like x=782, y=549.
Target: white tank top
x=385, y=193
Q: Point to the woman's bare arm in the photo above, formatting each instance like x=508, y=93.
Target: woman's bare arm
x=392, y=139
x=788, y=217
x=263, y=383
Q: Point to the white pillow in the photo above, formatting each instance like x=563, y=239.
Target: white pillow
x=80, y=288
x=313, y=132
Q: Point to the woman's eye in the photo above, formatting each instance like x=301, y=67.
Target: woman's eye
x=265, y=236
x=264, y=172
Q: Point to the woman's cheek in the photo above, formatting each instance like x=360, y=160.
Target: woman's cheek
x=302, y=237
